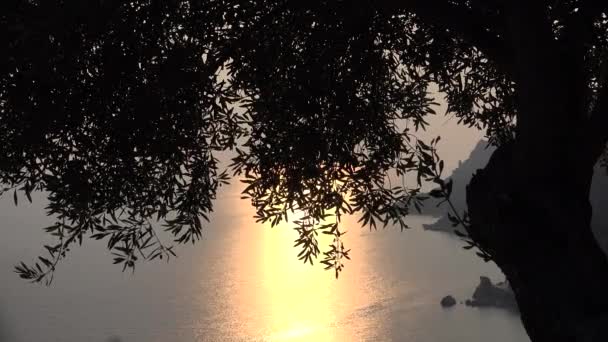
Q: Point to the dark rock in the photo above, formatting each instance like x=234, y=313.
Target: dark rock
x=489, y=295
x=448, y=301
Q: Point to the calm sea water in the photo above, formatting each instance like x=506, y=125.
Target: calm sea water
x=243, y=282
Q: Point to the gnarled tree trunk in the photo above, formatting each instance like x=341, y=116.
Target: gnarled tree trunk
x=539, y=234
x=529, y=207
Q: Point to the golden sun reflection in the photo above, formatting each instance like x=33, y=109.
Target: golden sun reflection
x=270, y=295
x=283, y=298
x=299, y=295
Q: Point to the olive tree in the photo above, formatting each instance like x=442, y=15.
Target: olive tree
x=118, y=110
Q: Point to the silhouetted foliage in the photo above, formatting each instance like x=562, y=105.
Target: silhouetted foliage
x=110, y=108
x=117, y=109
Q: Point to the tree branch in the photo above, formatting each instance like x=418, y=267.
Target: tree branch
x=598, y=121
x=577, y=37
x=597, y=5
x=466, y=23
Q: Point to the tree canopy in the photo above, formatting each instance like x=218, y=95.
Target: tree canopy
x=118, y=109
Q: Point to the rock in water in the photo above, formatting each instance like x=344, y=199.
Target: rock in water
x=488, y=294
x=448, y=301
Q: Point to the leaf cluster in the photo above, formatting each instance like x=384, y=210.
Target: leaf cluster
x=118, y=110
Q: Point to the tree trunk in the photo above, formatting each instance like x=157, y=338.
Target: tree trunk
x=538, y=232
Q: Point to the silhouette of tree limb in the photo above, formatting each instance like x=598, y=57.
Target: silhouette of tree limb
x=473, y=25
x=598, y=120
